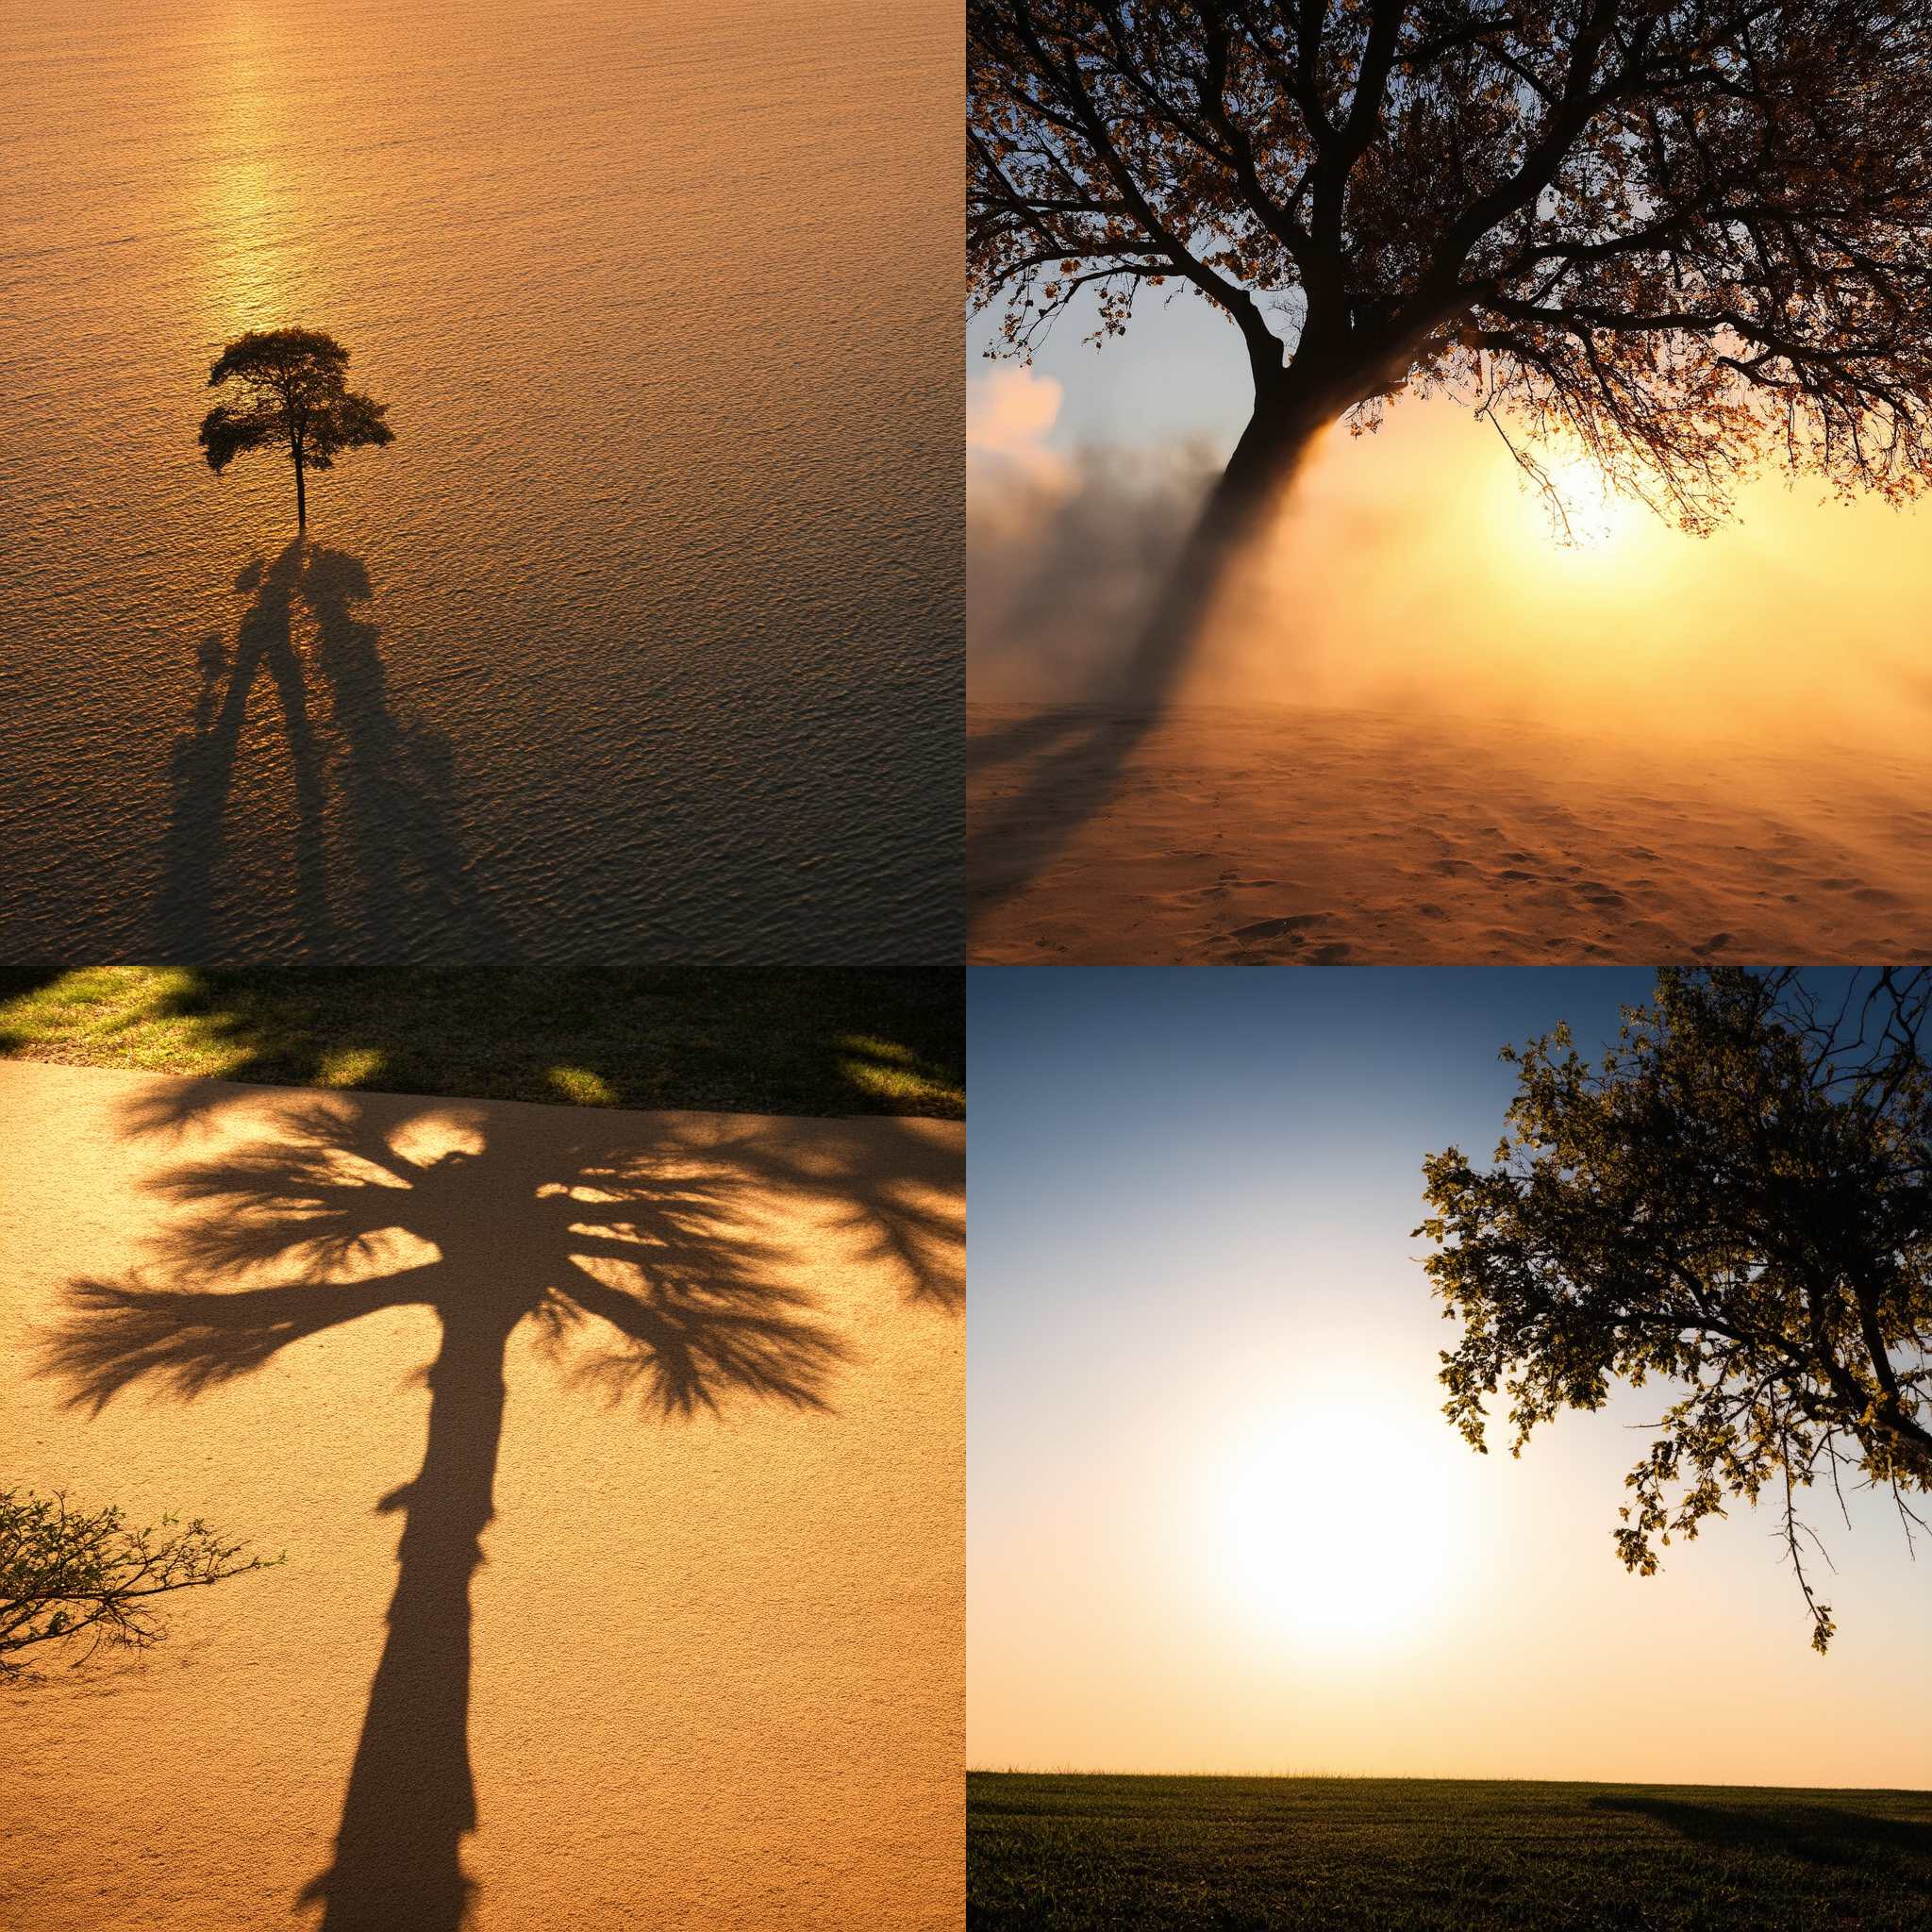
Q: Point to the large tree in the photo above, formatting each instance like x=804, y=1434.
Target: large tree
x=294, y=396
x=1687, y=233
x=1737, y=1201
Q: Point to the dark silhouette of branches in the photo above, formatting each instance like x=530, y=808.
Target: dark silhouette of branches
x=86, y=1577
x=1688, y=232
x=1737, y=1199
x=1686, y=236
x=292, y=384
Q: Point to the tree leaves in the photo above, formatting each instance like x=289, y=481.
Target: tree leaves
x=67, y=1573
x=293, y=382
x=1686, y=235
x=1738, y=1201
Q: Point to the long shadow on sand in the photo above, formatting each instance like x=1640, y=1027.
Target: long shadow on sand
x=1076, y=756
x=652, y=1273
x=376, y=856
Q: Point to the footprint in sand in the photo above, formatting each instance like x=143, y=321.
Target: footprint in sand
x=1715, y=943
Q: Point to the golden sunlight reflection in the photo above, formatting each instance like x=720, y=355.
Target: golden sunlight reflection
x=242, y=191
x=1311, y=1548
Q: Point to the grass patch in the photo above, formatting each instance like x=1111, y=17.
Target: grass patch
x=1349, y=1855
x=804, y=1042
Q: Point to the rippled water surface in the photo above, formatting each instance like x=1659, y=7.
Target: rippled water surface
x=643, y=637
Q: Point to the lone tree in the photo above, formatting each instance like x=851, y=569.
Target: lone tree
x=1739, y=1201
x=68, y=1575
x=294, y=398
x=1686, y=232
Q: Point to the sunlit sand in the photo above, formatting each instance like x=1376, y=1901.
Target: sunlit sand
x=710, y=1671
x=1324, y=835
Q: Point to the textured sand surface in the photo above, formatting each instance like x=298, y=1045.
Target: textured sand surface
x=1268, y=835
x=699, y=1394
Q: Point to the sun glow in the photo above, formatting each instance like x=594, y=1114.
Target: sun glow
x=1586, y=519
x=1343, y=1525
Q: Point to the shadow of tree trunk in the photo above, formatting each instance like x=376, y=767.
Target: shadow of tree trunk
x=203, y=771
x=374, y=793
x=411, y=1796
x=644, y=1268
x=1080, y=752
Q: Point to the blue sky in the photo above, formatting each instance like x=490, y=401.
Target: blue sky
x=1178, y=372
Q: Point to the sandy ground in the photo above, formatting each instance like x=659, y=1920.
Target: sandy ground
x=697, y=1398
x=1269, y=835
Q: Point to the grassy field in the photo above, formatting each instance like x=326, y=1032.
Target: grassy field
x=804, y=1042
x=1395, y=1855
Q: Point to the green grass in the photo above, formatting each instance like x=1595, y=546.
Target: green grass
x=1083, y=1853
x=805, y=1042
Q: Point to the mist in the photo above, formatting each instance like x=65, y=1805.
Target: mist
x=1414, y=571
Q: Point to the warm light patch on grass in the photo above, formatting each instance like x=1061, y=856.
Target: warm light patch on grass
x=143, y=1017
x=892, y=1071
x=581, y=1087
x=350, y=1066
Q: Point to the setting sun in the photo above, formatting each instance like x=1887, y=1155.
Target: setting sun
x=1309, y=1545
x=1580, y=516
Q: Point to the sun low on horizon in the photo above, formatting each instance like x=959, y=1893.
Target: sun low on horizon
x=1418, y=566
x=1309, y=1541
x=1218, y=1521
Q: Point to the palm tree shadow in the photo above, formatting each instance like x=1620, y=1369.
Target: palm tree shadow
x=375, y=811
x=646, y=1274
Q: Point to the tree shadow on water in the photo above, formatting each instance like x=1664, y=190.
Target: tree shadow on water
x=378, y=857
x=657, y=1274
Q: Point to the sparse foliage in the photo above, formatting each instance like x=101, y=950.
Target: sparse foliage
x=1687, y=233
x=295, y=397
x=87, y=1578
x=1736, y=1201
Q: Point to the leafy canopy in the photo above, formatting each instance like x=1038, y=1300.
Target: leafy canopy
x=71, y=1573
x=1687, y=233
x=294, y=397
x=1736, y=1201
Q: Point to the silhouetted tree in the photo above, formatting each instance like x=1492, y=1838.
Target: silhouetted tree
x=1687, y=232
x=294, y=399
x=1737, y=1200
x=67, y=1574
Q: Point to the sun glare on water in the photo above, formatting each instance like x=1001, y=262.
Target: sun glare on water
x=1344, y=1527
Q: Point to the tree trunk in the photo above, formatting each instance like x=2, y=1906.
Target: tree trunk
x=1008, y=848
x=411, y=1797
x=301, y=494
x=1246, y=495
